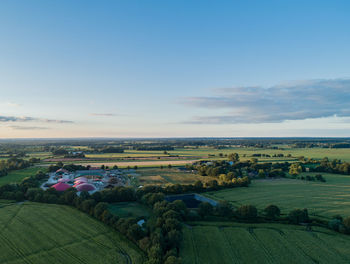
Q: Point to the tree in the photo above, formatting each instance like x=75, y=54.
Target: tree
x=99, y=209
x=233, y=157
x=224, y=208
x=272, y=211
x=205, y=209
x=261, y=173
x=172, y=260
x=248, y=211
x=295, y=169
x=298, y=216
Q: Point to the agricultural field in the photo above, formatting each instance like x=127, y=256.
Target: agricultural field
x=167, y=176
x=129, y=209
x=316, y=153
x=43, y=233
x=221, y=243
x=18, y=175
x=324, y=199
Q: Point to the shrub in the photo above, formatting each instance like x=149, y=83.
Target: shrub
x=298, y=216
x=205, y=209
x=272, y=211
x=247, y=211
x=335, y=224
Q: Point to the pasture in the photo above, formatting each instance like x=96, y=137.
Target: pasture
x=221, y=243
x=18, y=175
x=43, y=233
x=129, y=209
x=323, y=199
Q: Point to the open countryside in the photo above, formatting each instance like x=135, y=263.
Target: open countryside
x=37, y=233
x=174, y=132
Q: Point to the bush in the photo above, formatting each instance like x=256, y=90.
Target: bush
x=247, y=211
x=272, y=212
x=335, y=224
x=205, y=209
x=298, y=216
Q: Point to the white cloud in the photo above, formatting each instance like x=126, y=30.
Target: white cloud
x=291, y=101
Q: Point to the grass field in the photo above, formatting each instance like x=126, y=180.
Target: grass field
x=42, y=233
x=223, y=243
x=129, y=209
x=321, y=199
x=166, y=176
x=18, y=175
x=317, y=153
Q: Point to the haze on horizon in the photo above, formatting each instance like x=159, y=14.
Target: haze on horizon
x=174, y=68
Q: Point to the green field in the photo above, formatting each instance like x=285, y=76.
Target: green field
x=317, y=153
x=42, y=233
x=321, y=199
x=129, y=209
x=18, y=175
x=221, y=243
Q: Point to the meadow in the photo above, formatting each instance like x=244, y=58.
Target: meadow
x=43, y=233
x=221, y=243
x=18, y=175
x=129, y=209
x=324, y=199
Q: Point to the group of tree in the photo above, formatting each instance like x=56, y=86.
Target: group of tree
x=13, y=164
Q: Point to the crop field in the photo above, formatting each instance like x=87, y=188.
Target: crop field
x=129, y=209
x=317, y=153
x=42, y=233
x=221, y=243
x=18, y=175
x=324, y=199
x=166, y=176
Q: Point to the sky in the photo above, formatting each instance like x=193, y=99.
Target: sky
x=184, y=68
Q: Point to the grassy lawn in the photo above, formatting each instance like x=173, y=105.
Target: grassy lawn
x=321, y=199
x=18, y=175
x=43, y=233
x=129, y=209
x=221, y=243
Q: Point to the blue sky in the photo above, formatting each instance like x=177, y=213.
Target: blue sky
x=174, y=68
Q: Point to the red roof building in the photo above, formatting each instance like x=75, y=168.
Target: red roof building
x=61, y=186
x=85, y=187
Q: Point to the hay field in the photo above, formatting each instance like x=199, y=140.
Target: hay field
x=221, y=243
x=168, y=176
x=324, y=199
x=42, y=233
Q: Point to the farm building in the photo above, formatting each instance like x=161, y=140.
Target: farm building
x=61, y=186
x=85, y=187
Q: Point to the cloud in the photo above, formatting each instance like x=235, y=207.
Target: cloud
x=28, y=119
x=28, y=128
x=103, y=114
x=11, y=104
x=291, y=101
